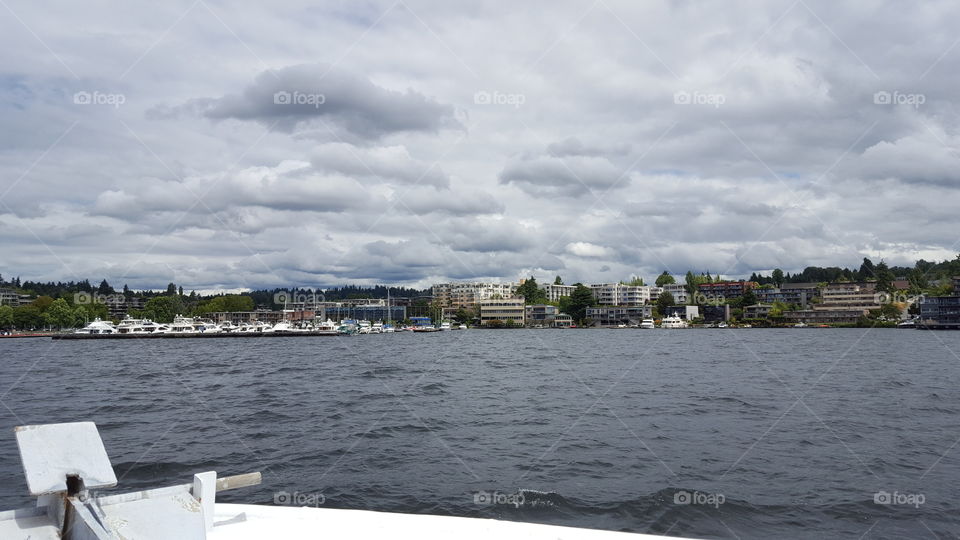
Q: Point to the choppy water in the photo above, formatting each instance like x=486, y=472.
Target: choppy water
x=794, y=431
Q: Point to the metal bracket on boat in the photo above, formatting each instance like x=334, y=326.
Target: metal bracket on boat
x=64, y=462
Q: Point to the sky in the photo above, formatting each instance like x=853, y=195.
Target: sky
x=412, y=142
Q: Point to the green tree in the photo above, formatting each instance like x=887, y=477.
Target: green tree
x=664, y=301
x=6, y=316
x=637, y=281
x=42, y=303
x=27, y=317
x=749, y=298
x=227, y=302
x=60, y=314
x=531, y=293
x=665, y=279
x=884, y=277
x=580, y=299
x=162, y=308
x=557, y=281
x=777, y=277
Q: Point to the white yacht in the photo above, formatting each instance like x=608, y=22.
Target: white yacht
x=326, y=325
x=97, y=327
x=137, y=326
x=205, y=326
x=284, y=327
x=673, y=322
x=377, y=328
x=180, y=325
x=364, y=327
x=445, y=325
x=647, y=324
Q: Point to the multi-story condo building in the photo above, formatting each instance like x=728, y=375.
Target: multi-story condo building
x=727, y=289
x=842, y=303
x=789, y=293
x=502, y=309
x=555, y=292
x=619, y=294
x=678, y=291
x=941, y=312
x=9, y=297
x=617, y=315
x=541, y=314
x=118, y=305
x=469, y=295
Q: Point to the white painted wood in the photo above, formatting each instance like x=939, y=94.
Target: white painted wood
x=205, y=491
x=51, y=452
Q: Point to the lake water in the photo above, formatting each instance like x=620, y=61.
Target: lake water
x=756, y=433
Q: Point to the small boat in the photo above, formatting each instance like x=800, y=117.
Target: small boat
x=97, y=327
x=445, y=325
x=800, y=325
x=462, y=327
x=647, y=324
x=722, y=325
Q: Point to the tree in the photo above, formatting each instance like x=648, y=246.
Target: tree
x=884, y=277
x=42, y=303
x=171, y=289
x=162, y=308
x=105, y=288
x=6, y=316
x=60, y=314
x=228, y=302
x=665, y=279
x=531, y=293
x=866, y=269
x=27, y=317
x=557, y=281
x=749, y=298
x=580, y=299
x=777, y=277
x=637, y=281
x=664, y=301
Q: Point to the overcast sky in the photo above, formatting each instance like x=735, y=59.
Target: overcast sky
x=411, y=142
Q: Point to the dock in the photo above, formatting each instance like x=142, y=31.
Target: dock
x=211, y=335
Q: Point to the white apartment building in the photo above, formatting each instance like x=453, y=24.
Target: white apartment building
x=468, y=295
x=555, y=292
x=678, y=291
x=619, y=294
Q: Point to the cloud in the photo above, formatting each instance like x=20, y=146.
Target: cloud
x=563, y=176
x=377, y=164
x=319, y=94
x=586, y=249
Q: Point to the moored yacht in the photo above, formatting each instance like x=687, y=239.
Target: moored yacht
x=137, y=326
x=673, y=322
x=97, y=327
x=647, y=324
x=445, y=325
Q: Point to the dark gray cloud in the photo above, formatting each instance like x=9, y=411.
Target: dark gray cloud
x=294, y=96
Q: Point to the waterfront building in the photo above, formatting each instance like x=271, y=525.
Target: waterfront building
x=468, y=295
x=687, y=313
x=941, y=312
x=800, y=294
x=541, y=314
x=842, y=303
x=716, y=313
x=620, y=294
x=555, y=292
x=757, y=311
x=502, y=309
x=678, y=291
x=9, y=297
x=375, y=312
x=118, y=306
x=238, y=317
x=619, y=315
x=727, y=289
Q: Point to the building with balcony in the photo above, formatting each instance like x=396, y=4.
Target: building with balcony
x=375, y=312
x=687, y=313
x=469, y=295
x=541, y=314
x=757, y=311
x=619, y=315
x=678, y=291
x=118, y=305
x=940, y=312
x=620, y=294
x=727, y=289
x=715, y=314
x=9, y=297
x=555, y=292
x=503, y=310
x=800, y=294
